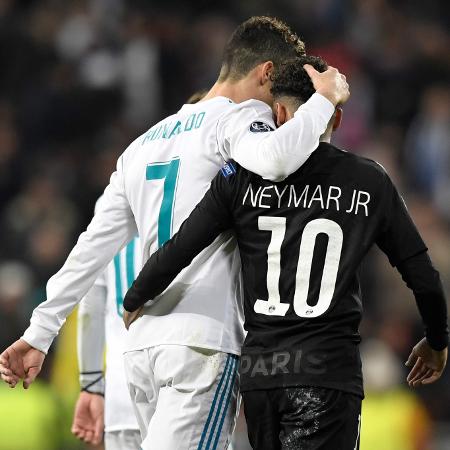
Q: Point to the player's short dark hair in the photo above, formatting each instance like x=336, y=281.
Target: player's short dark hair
x=291, y=80
x=255, y=41
x=196, y=96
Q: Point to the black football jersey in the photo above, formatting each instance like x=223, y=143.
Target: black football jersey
x=301, y=241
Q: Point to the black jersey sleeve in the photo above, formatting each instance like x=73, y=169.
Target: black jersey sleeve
x=423, y=279
x=402, y=243
x=209, y=218
x=399, y=238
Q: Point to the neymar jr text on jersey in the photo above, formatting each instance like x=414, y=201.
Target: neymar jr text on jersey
x=352, y=201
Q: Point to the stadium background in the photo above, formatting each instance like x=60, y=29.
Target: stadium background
x=80, y=79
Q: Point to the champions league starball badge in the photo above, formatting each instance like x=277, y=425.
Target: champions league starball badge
x=260, y=127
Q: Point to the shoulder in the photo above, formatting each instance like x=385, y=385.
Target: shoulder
x=250, y=116
x=256, y=105
x=145, y=138
x=358, y=164
x=155, y=130
x=246, y=110
x=232, y=174
x=98, y=203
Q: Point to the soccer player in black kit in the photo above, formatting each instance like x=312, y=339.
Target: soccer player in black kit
x=301, y=242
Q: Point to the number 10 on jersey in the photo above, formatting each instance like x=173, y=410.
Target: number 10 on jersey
x=273, y=306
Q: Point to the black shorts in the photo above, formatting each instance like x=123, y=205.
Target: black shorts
x=304, y=418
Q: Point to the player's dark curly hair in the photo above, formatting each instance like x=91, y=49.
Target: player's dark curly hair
x=255, y=41
x=290, y=79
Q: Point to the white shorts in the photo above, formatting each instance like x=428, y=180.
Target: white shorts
x=184, y=398
x=123, y=440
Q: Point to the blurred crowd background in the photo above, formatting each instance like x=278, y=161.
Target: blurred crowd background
x=79, y=80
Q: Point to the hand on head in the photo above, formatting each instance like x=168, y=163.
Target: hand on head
x=331, y=84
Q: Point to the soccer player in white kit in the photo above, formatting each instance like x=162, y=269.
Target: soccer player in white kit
x=182, y=355
x=100, y=322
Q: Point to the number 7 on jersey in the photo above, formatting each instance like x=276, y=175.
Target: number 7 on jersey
x=167, y=171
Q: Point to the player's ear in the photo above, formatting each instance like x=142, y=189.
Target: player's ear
x=280, y=113
x=337, y=118
x=266, y=72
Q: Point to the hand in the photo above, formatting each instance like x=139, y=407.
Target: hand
x=428, y=364
x=88, y=419
x=331, y=84
x=130, y=317
x=20, y=361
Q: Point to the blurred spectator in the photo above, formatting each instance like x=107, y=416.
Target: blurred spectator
x=140, y=74
x=9, y=153
x=427, y=148
x=16, y=282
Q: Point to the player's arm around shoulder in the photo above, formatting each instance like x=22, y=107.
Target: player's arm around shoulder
x=211, y=216
x=247, y=132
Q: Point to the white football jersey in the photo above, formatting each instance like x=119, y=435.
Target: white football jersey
x=117, y=278
x=100, y=325
x=202, y=307
x=159, y=179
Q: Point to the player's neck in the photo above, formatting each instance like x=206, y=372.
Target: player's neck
x=236, y=91
x=326, y=137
